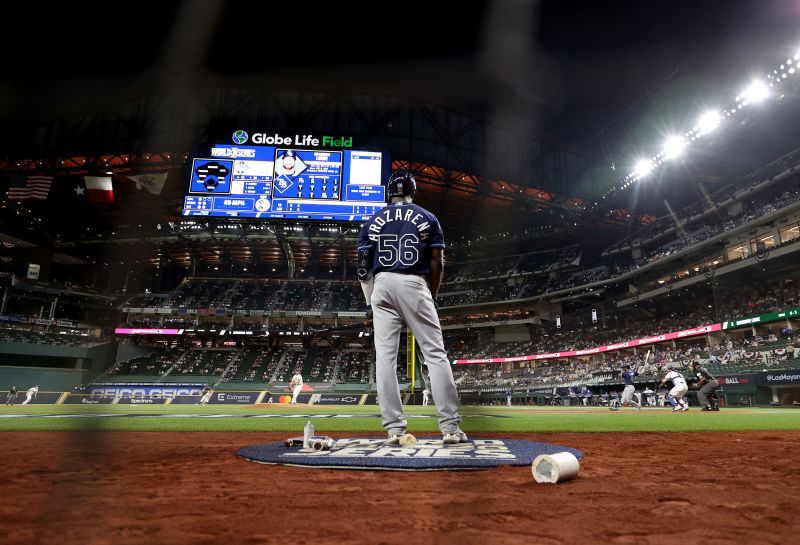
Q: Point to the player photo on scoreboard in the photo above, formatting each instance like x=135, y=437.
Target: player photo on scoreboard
x=307, y=174
x=289, y=164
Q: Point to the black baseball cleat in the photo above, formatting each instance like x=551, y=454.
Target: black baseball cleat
x=706, y=409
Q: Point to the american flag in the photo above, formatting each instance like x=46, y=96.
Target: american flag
x=34, y=187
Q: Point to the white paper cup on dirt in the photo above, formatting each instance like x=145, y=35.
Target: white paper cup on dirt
x=555, y=468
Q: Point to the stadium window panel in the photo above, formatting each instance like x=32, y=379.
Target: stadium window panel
x=740, y=251
x=761, y=243
x=790, y=233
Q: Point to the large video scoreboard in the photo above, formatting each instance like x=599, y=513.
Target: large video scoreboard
x=285, y=182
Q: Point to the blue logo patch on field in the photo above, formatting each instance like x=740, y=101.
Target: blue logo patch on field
x=427, y=455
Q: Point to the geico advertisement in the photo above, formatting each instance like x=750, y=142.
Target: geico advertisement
x=142, y=391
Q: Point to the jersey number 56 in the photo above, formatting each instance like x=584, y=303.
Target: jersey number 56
x=394, y=249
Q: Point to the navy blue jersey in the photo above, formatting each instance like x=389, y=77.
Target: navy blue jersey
x=401, y=236
x=627, y=376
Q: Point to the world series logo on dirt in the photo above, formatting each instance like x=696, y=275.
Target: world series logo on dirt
x=480, y=449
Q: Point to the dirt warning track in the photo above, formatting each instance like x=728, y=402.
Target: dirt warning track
x=189, y=488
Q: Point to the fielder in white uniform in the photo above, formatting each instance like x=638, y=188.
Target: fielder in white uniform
x=206, y=397
x=297, y=384
x=678, y=389
x=426, y=397
x=31, y=394
x=400, y=264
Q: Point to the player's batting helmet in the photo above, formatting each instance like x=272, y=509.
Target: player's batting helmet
x=401, y=184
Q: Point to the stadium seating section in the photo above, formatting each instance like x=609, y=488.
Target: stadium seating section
x=258, y=295
x=38, y=337
x=155, y=363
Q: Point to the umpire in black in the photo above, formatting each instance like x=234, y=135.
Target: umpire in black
x=708, y=385
x=12, y=395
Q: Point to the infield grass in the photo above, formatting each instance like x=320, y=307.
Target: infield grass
x=365, y=419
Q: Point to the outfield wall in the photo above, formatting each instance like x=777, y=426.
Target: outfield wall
x=51, y=379
x=70, y=366
x=746, y=388
x=187, y=394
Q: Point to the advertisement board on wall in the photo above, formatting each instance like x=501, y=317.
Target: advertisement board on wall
x=234, y=398
x=779, y=378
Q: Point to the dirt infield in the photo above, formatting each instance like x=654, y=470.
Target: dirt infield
x=189, y=488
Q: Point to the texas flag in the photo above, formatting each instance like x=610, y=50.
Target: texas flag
x=99, y=189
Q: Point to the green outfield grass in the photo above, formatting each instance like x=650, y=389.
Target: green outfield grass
x=422, y=419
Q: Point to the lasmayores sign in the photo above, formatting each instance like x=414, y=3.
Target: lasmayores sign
x=778, y=378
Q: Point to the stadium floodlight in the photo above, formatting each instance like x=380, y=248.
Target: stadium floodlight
x=708, y=122
x=643, y=168
x=673, y=147
x=756, y=91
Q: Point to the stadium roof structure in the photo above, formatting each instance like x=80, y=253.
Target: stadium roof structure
x=507, y=111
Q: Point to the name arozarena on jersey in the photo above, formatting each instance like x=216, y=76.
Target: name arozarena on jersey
x=398, y=214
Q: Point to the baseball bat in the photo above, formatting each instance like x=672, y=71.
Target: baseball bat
x=318, y=443
x=322, y=443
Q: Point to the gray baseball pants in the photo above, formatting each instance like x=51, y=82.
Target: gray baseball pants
x=627, y=396
x=405, y=298
x=703, y=393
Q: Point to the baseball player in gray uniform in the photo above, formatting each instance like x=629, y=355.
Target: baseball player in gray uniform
x=630, y=389
x=400, y=262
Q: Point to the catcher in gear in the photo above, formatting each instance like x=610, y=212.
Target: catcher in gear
x=678, y=388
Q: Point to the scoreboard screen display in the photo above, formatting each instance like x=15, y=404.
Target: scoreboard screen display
x=274, y=182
